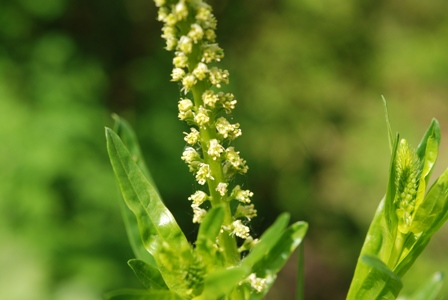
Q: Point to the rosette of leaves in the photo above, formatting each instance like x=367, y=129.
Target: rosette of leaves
x=406, y=219
x=168, y=266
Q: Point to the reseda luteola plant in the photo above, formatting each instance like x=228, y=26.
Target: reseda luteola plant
x=226, y=262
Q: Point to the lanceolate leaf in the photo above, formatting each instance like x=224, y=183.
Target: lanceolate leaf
x=381, y=283
x=127, y=135
x=157, y=225
x=129, y=294
x=208, y=231
x=272, y=263
x=279, y=254
x=148, y=275
x=267, y=241
x=222, y=282
x=430, y=289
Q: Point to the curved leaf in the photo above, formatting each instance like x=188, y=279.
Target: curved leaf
x=157, y=225
x=208, y=232
x=148, y=275
x=267, y=241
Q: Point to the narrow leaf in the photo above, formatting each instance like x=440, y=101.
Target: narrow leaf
x=274, y=261
x=208, y=231
x=267, y=241
x=222, y=282
x=157, y=225
x=130, y=294
x=390, y=135
x=381, y=283
x=430, y=289
x=148, y=275
x=129, y=139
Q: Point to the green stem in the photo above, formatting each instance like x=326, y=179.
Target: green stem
x=226, y=242
x=301, y=273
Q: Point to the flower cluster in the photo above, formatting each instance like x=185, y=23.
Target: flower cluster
x=406, y=182
x=189, y=30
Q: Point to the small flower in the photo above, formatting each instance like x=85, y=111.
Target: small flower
x=227, y=130
x=235, y=161
x=188, y=82
x=198, y=213
x=215, y=149
x=211, y=52
x=181, y=10
x=163, y=12
x=171, y=19
x=198, y=197
x=190, y=155
x=203, y=173
x=201, y=117
x=160, y=3
x=245, y=211
x=241, y=195
x=192, y=137
x=205, y=16
x=218, y=76
x=240, y=230
x=227, y=101
x=200, y=72
x=210, y=98
x=185, y=109
x=259, y=284
x=180, y=60
x=185, y=44
x=210, y=35
x=222, y=188
x=196, y=33
x=177, y=74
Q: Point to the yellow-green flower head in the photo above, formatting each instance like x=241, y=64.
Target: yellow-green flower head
x=407, y=171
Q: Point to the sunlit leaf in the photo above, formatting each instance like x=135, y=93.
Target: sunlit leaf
x=208, y=232
x=267, y=241
x=157, y=225
x=129, y=139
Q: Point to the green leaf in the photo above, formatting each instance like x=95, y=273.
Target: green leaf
x=430, y=289
x=389, y=128
x=208, y=231
x=130, y=294
x=274, y=261
x=129, y=139
x=148, y=275
x=381, y=283
x=267, y=241
x=157, y=225
x=222, y=282
x=431, y=213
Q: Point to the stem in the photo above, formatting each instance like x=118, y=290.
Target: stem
x=301, y=272
x=226, y=242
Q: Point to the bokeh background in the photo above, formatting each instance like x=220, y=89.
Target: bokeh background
x=308, y=75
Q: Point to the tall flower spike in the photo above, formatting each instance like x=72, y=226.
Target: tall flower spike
x=189, y=29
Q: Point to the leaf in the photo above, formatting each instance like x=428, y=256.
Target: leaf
x=129, y=139
x=157, y=225
x=276, y=258
x=148, y=275
x=208, y=231
x=390, y=135
x=127, y=135
x=222, y=282
x=130, y=294
x=267, y=241
x=430, y=214
x=274, y=261
x=430, y=289
x=381, y=283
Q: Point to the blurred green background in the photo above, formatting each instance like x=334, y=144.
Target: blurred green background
x=308, y=75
